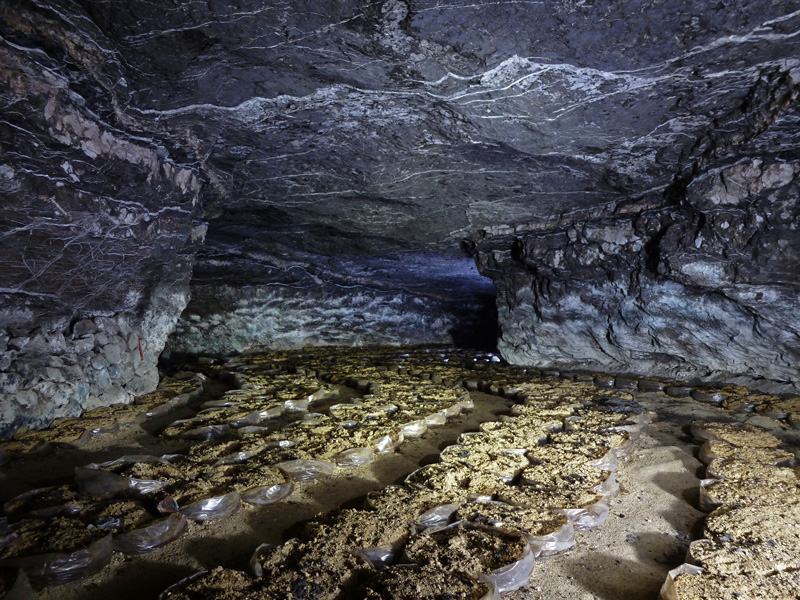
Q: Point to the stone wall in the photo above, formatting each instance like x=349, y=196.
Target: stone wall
x=228, y=320
x=706, y=289
x=98, y=226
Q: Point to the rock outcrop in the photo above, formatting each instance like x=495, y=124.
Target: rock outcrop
x=700, y=282
x=97, y=228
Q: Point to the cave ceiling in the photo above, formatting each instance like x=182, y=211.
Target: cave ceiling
x=321, y=129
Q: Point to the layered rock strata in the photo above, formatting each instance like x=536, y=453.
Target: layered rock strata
x=699, y=281
x=98, y=227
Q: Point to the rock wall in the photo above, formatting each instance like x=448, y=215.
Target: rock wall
x=706, y=289
x=228, y=320
x=98, y=226
x=333, y=301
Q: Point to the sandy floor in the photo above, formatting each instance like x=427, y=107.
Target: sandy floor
x=647, y=533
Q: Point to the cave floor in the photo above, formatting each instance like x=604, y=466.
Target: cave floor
x=651, y=520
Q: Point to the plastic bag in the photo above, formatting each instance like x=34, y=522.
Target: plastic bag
x=214, y=404
x=513, y=576
x=706, y=455
x=451, y=411
x=301, y=470
x=253, y=430
x=165, y=595
x=414, y=428
x=708, y=396
x=127, y=459
x=554, y=542
x=436, y=419
x=296, y=405
x=63, y=567
x=149, y=538
x=212, y=509
x=348, y=425
x=624, y=449
x=103, y=484
x=609, y=489
x=209, y=432
x=257, y=417
x=668, y=591
x=378, y=556
x=608, y=462
x=168, y=406
x=267, y=494
x=255, y=560
x=21, y=590
x=236, y=458
x=707, y=501
x=388, y=443
x=354, y=457
x=586, y=518
x=100, y=484
x=438, y=516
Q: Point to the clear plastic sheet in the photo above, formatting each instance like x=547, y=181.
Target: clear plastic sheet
x=348, y=425
x=436, y=517
x=214, y=508
x=180, y=584
x=354, y=457
x=297, y=405
x=557, y=541
x=236, y=458
x=149, y=538
x=300, y=470
x=707, y=501
x=624, y=449
x=493, y=593
x=215, y=404
x=436, y=419
x=7, y=506
x=21, y=590
x=388, y=443
x=451, y=411
x=255, y=560
x=466, y=404
x=586, y=518
x=208, y=432
x=62, y=567
x=702, y=434
x=609, y=489
x=253, y=430
x=257, y=417
x=414, y=428
x=513, y=576
x=607, y=463
x=168, y=406
x=99, y=483
x=379, y=556
x=706, y=455
x=708, y=396
x=668, y=591
x=267, y=494
x=127, y=459
x=104, y=484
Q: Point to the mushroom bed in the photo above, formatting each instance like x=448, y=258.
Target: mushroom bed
x=339, y=473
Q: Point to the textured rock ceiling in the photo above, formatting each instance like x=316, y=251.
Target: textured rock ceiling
x=340, y=145
x=346, y=127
